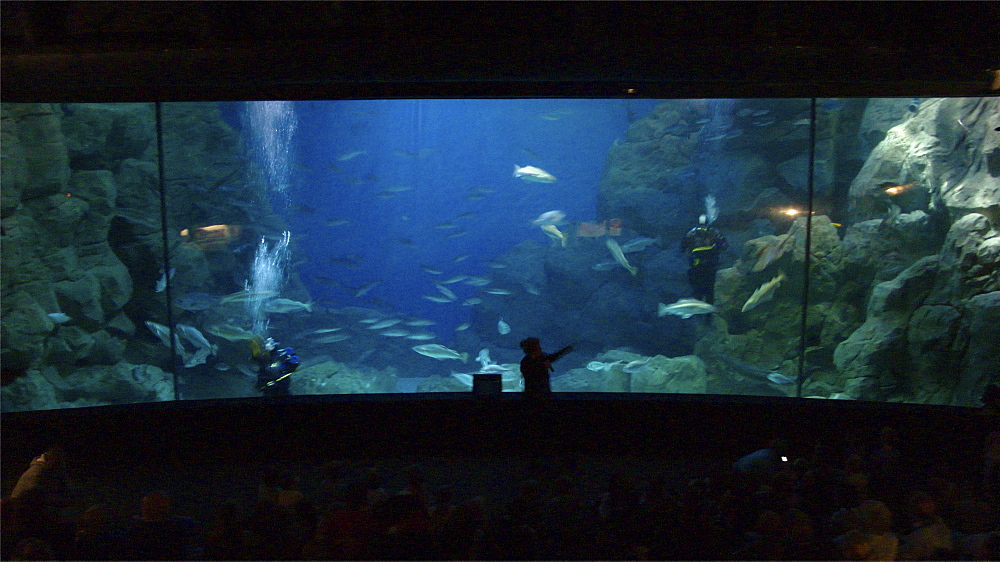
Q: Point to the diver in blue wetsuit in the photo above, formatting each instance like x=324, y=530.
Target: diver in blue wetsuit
x=275, y=365
x=703, y=245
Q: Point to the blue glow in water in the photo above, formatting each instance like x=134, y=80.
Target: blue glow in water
x=266, y=279
x=269, y=127
x=430, y=183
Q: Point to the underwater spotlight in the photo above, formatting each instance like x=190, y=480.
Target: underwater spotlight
x=792, y=212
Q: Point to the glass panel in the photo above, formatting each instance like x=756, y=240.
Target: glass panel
x=410, y=245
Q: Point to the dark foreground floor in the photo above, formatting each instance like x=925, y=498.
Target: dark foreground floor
x=210, y=453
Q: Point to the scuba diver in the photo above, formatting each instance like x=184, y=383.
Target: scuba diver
x=703, y=244
x=274, y=367
x=536, y=365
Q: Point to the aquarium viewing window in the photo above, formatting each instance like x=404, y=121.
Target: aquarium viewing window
x=824, y=248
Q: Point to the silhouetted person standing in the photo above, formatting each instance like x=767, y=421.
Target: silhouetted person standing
x=536, y=366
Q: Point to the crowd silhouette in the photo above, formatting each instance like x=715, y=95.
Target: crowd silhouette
x=859, y=499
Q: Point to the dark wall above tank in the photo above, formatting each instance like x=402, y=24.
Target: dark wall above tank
x=123, y=51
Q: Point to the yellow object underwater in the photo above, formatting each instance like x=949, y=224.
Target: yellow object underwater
x=257, y=346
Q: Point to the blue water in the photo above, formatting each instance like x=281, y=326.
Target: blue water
x=443, y=151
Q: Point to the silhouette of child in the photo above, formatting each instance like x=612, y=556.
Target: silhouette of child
x=536, y=365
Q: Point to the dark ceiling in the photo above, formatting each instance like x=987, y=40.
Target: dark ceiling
x=144, y=51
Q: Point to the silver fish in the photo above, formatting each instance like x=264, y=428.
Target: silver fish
x=778, y=378
x=284, y=306
x=384, y=323
x=440, y=352
x=446, y=291
x=161, y=284
x=333, y=338
x=533, y=174
x=637, y=244
x=58, y=317
x=598, y=366
x=230, y=333
x=685, y=308
x=763, y=293
x=365, y=288
x=503, y=327
x=192, y=335
x=498, y=292
x=421, y=336
x=244, y=296
x=350, y=155
x=199, y=357
x=160, y=331
x=616, y=252
x=776, y=249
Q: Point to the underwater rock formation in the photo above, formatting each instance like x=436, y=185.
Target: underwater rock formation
x=949, y=151
x=63, y=287
x=83, y=238
x=332, y=377
x=96, y=385
x=678, y=375
x=927, y=330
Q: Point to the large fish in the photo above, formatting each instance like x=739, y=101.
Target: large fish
x=531, y=173
x=384, y=323
x=421, y=336
x=616, y=252
x=440, y=352
x=763, y=293
x=333, y=339
x=550, y=217
x=350, y=155
x=230, y=333
x=446, y=291
x=160, y=331
x=685, y=308
x=637, y=244
x=775, y=250
x=554, y=233
x=284, y=306
x=244, y=296
x=192, y=335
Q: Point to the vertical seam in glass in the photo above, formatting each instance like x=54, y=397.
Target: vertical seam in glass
x=166, y=242
x=808, y=247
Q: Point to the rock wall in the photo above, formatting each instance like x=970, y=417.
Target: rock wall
x=903, y=299
x=56, y=255
x=83, y=243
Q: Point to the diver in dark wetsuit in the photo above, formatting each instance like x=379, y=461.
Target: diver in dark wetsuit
x=703, y=244
x=536, y=365
x=275, y=365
